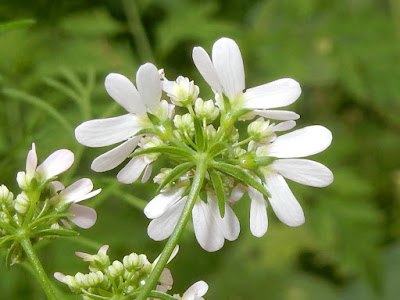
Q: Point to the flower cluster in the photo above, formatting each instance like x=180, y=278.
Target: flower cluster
x=206, y=137
x=122, y=279
x=44, y=207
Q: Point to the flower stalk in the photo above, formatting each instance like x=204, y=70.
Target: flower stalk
x=38, y=268
x=197, y=183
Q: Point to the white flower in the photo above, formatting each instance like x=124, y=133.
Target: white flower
x=225, y=74
x=84, y=217
x=105, y=132
x=210, y=228
x=57, y=163
x=195, y=292
x=288, y=148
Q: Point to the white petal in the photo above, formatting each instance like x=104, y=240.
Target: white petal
x=229, y=224
x=85, y=217
x=116, y=156
x=284, y=126
x=173, y=254
x=278, y=93
x=302, y=142
x=57, y=163
x=282, y=115
x=228, y=64
x=206, y=228
x=122, y=90
x=132, y=171
x=77, y=189
x=304, y=171
x=165, y=281
x=283, y=202
x=161, y=228
x=149, y=85
x=59, y=276
x=258, y=213
x=31, y=161
x=198, y=289
x=104, y=132
x=57, y=185
x=160, y=203
x=206, y=68
x=147, y=173
x=237, y=193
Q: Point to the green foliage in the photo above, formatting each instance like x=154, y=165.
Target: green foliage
x=345, y=55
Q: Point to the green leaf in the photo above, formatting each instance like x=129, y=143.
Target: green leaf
x=241, y=175
x=199, y=137
x=164, y=149
x=219, y=190
x=175, y=173
x=59, y=232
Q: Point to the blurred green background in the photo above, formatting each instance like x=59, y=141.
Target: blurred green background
x=346, y=56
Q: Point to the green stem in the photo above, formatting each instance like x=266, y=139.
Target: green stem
x=37, y=268
x=180, y=226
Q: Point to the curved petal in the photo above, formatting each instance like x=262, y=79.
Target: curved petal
x=122, y=90
x=302, y=142
x=206, y=228
x=228, y=64
x=77, y=190
x=132, y=171
x=149, y=85
x=104, y=132
x=229, y=224
x=147, y=173
x=206, y=68
x=31, y=161
x=237, y=193
x=282, y=115
x=165, y=281
x=160, y=203
x=278, y=93
x=195, y=291
x=258, y=213
x=115, y=157
x=57, y=163
x=304, y=171
x=284, y=126
x=161, y=228
x=283, y=202
x=85, y=217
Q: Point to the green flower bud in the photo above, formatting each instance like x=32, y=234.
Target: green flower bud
x=184, y=124
x=184, y=92
x=134, y=262
x=232, y=134
x=116, y=269
x=6, y=197
x=93, y=279
x=4, y=218
x=21, y=203
x=23, y=180
x=159, y=178
x=211, y=132
x=206, y=110
x=260, y=130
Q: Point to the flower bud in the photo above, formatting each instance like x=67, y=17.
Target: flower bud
x=23, y=180
x=6, y=197
x=183, y=92
x=184, y=124
x=21, y=204
x=206, y=110
x=260, y=130
x=93, y=279
x=134, y=262
x=211, y=132
x=116, y=269
x=160, y=177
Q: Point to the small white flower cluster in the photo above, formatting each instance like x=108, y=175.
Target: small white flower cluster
x=121, y=278
x=191, y=132
x=44, y=204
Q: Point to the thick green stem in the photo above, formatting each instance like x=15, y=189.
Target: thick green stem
x=198, y=179
x=38, y=269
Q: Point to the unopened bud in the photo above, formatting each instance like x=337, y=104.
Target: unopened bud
x=6, y=197
x=260, y=130
x=21, y=204
x=184, y=124
x=206, y=110
x=184, y=92
x=116, y=269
